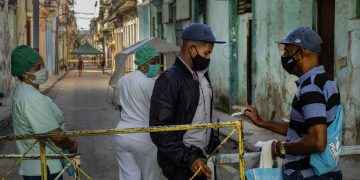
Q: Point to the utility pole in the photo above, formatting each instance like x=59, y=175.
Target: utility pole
x=36, y=24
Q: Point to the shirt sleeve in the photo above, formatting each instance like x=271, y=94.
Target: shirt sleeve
x=40, y=115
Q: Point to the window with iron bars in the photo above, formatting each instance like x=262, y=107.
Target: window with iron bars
x=202, y=6
x=244, y=6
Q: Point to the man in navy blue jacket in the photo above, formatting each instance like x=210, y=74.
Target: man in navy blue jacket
x=183, y=95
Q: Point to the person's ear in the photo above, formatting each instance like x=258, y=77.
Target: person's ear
x=191, y=50
x=144, y=68
x=29, y=76
x=300, y=54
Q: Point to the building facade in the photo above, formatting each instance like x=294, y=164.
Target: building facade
x=57, y=29
x=247, y=69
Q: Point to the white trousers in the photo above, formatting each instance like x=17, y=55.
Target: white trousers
x=137, y=159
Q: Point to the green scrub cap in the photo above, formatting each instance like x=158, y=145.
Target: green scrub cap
x=22, y=59
x=144, y=54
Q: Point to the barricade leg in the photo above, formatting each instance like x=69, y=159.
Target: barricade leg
x=43, y=159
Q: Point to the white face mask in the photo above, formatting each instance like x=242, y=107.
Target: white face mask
x=41, y=76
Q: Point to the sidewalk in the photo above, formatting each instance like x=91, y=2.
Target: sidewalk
x=5, y=111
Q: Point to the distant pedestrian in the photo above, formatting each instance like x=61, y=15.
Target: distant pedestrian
x=102, y=64
x=34, y=113
x=136, y=154
x=80, y=66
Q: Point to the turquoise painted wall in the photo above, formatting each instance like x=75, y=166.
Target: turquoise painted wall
x=50, y=58
x=144, y=21
x=169, y=32
x=242, y=58
x=347, y=45
x=273, y=88
x=272, y=20
x=219, y=66
x=233, y=53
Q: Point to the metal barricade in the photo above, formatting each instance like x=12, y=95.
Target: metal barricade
x=44, y=139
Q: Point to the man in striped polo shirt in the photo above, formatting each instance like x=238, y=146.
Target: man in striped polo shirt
x=314, y=107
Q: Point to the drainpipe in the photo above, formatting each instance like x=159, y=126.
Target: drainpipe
x=103, y=45
x=36, y=24
x=57, y=41
x=233, y=48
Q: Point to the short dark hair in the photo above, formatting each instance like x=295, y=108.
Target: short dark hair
x=195, y=43
x=184, y=43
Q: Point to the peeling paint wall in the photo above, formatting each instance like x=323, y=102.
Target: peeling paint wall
x=242, y=57
x=8, y=42
x=351, y=100
x=220, y=64
x=274, y=88
x=42, y=32
x=169, y=32
x=21, y=14
x=50, y=48
x=347, y=66
x=144, y=21
x=233, y=53
x=220, y=58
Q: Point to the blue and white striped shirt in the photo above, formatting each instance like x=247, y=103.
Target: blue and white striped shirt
x=316, y=102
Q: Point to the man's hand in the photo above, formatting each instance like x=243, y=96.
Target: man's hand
x=205, y=170
x=252, y=114
x=63, y=142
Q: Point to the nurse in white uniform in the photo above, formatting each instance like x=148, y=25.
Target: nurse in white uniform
x=136, y=154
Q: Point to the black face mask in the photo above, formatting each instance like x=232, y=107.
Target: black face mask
x=199, y=63
x=289, y=63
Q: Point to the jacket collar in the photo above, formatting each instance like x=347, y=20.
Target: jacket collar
x=183, y=68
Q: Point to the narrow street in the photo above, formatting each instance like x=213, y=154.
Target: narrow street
x=287, y=66
x=83, y=100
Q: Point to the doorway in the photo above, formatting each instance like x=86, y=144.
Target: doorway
x=326, y=21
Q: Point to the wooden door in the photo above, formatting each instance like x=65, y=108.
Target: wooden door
x=326, y=21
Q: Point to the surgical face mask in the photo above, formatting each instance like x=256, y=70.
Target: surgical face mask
x=153, y=70
x=289, y=63
x=41, y=76
x=199, y=63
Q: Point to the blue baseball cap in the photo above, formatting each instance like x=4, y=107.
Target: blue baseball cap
x=199, y=32
x=303, y=37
